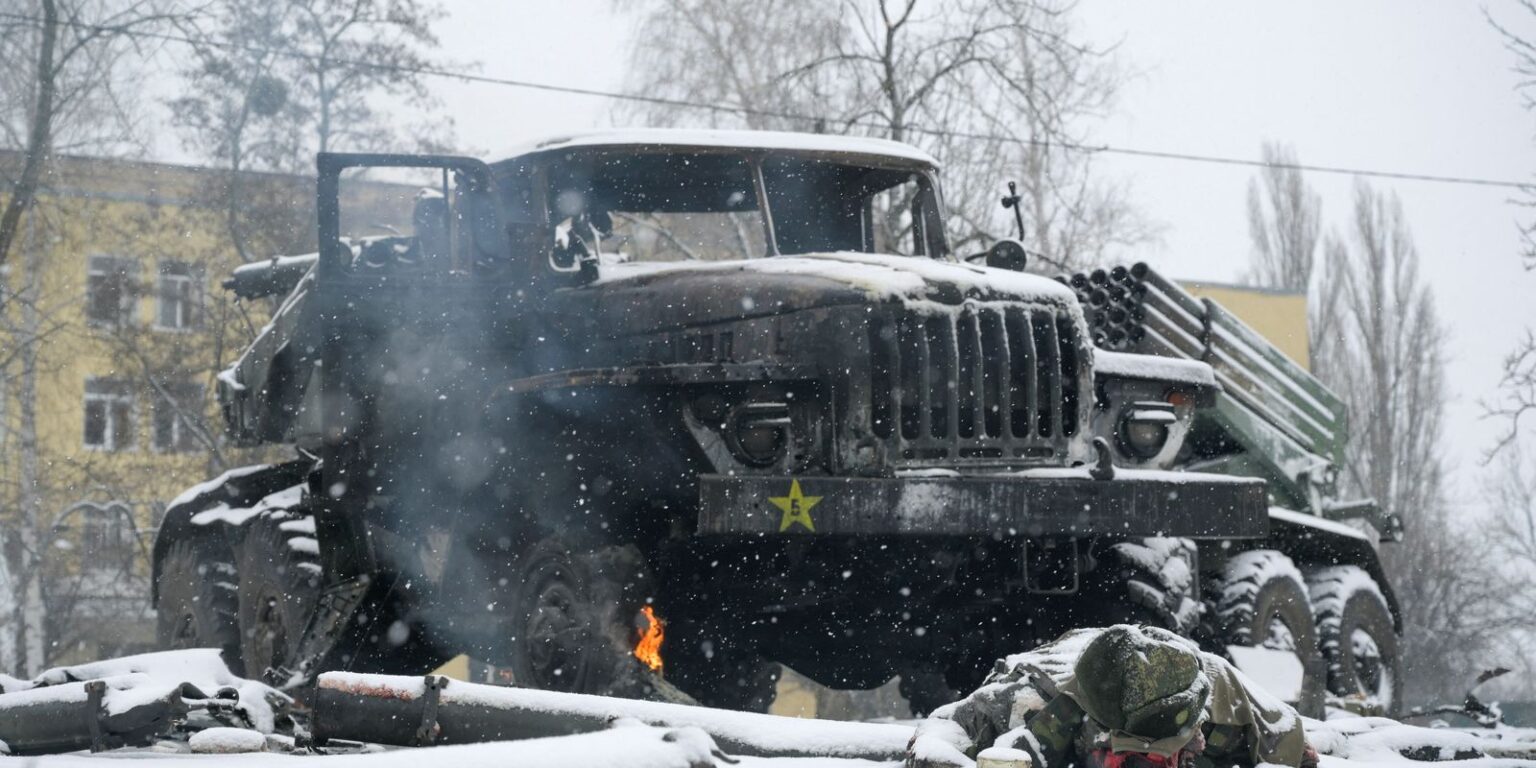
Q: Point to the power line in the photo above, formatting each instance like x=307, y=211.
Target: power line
x=469, y=77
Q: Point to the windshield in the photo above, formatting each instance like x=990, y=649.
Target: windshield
x=708, y=207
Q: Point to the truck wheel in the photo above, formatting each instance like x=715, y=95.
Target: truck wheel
x=1357, y=637
x=1155, y=581
x=279, y=583
x=1262, y=602
x=196, y=605
x=576, y=622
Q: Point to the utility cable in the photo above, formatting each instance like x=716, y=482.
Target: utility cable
x=814, y=120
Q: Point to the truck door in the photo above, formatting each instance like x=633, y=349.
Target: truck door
x=416, y=272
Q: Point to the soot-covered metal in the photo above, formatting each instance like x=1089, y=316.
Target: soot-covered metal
x=743, y=388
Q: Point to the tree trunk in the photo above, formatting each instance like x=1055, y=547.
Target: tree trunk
x=39, y=134
x=30, y=630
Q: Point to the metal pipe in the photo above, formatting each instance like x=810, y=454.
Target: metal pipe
x=409, y=711
x=96, y=715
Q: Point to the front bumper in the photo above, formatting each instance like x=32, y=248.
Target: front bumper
x=1043, y=503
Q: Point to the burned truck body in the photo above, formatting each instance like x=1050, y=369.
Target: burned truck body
x=737, y=382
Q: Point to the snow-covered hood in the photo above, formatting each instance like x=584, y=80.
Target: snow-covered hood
x=692, y=292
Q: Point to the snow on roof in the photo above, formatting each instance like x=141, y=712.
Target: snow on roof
x=1133, y=366
x=1313, y=521
x=724, y=139
x=216, y=483
x=880, y=276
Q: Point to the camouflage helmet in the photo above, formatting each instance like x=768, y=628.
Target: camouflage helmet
x=1142, y=681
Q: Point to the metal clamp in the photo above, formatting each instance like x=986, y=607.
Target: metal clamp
x=95, y=695
x=428, y=731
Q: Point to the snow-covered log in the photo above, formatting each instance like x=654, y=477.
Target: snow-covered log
x=129, y=701
x=411, y=710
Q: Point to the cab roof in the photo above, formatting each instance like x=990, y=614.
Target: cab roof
x=680, y=138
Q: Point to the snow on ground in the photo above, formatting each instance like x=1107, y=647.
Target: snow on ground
x=629, y=747
x=137, y=680
x=1353, y=742
x=676, y=736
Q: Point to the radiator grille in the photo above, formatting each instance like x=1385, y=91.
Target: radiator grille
x=986, y=382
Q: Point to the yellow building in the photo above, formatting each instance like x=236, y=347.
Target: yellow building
x=110, y=335
x=1279, y=316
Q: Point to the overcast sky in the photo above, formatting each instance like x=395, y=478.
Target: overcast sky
x=1403, y=85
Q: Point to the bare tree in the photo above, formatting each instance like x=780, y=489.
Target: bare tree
x=1385, y=358
x=1517, y=387
x=1285, y=229
x=1512, y=495
x=272, y=83
x=995, y=89
x=1518, y=383
x=1284, y=223
x=66, y=77
x=1390, y=326
x=62, y=80
x=1524, y=51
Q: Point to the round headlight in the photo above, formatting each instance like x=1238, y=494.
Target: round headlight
x=758, y=433
x=1144, y=428
x=1143, y=439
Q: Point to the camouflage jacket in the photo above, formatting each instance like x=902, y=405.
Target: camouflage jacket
x=1028, y=703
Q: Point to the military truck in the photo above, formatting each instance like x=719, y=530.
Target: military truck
x=651, y=413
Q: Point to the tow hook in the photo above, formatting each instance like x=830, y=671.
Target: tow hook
x=1104, y=467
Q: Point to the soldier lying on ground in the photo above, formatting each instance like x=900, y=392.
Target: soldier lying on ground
x=1121, y=697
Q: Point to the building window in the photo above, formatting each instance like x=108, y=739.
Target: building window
x=110, y=290
x=177, y=288
x=106, y=533
x=108, y=415
x=172, y=415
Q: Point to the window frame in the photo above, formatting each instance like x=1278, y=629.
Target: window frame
x=123, y=396
x=126, y=269
x=182, y=439
x=189, y=300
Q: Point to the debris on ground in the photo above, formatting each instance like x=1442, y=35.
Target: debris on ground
x=131, y=701
x=413, y=711
x=180, y=705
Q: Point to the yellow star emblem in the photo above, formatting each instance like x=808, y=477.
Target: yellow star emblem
x=796, y=507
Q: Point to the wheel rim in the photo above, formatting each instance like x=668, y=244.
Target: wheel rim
x=556, y=639
x=1278, y=635
x=1371, y=673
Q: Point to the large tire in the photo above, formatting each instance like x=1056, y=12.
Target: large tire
x=1157, y=577
x=1262, y=601
x=196, y=604
x=576, y=622
x=1357, y=637
x=279, y=585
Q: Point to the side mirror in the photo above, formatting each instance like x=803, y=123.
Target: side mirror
x=574, y=250
x=1008, y=254
x=1004, y=254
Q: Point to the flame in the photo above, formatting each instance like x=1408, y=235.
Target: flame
x=648, y=649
